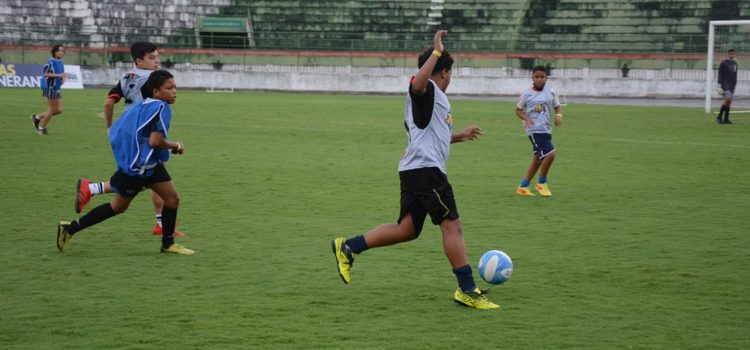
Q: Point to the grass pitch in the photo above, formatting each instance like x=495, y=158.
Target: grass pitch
x=644, y=243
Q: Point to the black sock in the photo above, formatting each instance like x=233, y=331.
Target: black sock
x=726, y=114
x=93, y=217
x=357, y=244
x=168, y=221
x=721, y=112
x=465, y=280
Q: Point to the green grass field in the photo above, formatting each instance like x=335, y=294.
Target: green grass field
x=644, y=244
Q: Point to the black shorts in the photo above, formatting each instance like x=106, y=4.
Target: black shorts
x=129, y=186
x=425, y=191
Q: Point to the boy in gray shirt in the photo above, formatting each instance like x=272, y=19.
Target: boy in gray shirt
x=534, y=109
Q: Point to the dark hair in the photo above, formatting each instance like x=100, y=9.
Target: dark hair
x=55, y=48
x=539, y=68
x=155, y=81
x=730, y=51
x=445, y=61
x=141, y=48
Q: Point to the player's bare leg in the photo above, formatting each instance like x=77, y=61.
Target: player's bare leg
x=54, y=107
x=388, y=234
x=453, y=243
x=533, y=167
x=546, y=163
x=523, y=190
x=541, y=186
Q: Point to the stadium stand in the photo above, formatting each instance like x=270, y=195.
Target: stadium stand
x=588, y=25
x=673, y=26
x=100, y=23
x=371, y=25
x=521, y=30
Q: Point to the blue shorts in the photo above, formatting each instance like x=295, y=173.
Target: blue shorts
x=542, y=144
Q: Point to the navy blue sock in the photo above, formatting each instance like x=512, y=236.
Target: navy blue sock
x=524, y=183
x=356, y=244
x=465, y=280
x=93, y=217
x=542, y=179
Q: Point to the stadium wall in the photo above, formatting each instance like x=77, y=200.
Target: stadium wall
x=393, y=81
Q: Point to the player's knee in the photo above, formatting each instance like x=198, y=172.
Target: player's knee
x=172, y=201
x=458, y=231
x=118, y=208
x=57, y=111
x=452, y=227
x=407, y=231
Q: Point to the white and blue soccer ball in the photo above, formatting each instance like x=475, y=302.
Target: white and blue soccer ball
x=495, y=267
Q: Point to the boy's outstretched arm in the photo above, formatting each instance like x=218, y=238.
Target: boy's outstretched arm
x=471, y=133
x=419, y=86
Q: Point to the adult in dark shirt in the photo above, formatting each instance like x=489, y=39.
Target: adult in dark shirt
x=727, y=81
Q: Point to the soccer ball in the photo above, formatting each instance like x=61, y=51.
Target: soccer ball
x=495, y=267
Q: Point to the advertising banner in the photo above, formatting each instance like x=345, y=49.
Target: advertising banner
x=28, y=76
x=75, y=80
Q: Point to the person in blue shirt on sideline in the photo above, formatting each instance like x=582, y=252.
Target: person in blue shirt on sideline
x=140, y=147
x=53, y=77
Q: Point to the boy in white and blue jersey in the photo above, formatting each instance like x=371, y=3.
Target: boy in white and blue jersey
x=130, y=89
x=535, y=109
x=140, y=147
x=53, y=76
x=425, y=189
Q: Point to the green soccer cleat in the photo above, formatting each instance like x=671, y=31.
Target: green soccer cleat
x=344, y=258
x=63, y=236
x=476, y=299
x=543, y=190
x=177, y=249
x=523, y=191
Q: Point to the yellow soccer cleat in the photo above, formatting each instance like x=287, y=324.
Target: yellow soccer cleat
x=475, y=299
x=543, y=190
x=344, y=258
x=177, y=249
x=524, y=191
x=63, y=236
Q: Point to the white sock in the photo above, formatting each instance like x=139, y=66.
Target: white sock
x=96, y=188
x=158, y=219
